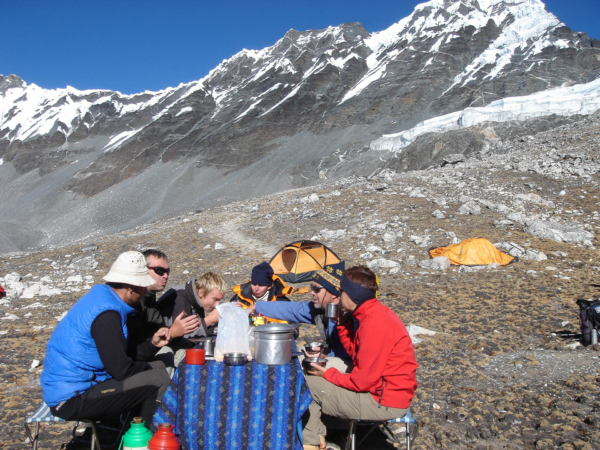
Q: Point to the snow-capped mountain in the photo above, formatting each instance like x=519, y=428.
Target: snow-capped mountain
x=307, y=108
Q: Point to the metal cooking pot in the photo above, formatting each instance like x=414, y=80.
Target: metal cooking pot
x=274, y=343
x=208, y=344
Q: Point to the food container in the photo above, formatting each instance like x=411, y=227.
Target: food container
x=274, y=343
x=319, y=361
x=235, y=359
x=207, y=343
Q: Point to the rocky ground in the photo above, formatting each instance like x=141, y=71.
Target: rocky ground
x=493, y=376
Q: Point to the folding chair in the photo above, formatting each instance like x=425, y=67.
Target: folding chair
x=385, y=429
x=43, y=414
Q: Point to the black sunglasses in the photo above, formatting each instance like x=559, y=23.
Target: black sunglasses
x=160, y=271
x=316, y=289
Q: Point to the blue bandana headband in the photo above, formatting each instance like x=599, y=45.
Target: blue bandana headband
x=357, y=293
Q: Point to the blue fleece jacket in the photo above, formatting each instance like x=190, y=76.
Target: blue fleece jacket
x=302, y=312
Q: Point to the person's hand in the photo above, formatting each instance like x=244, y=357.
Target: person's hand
x=162, y=337
x=212, y=318
x=317, y=371
x=184, y=324
x=343, y=318
x=251, y=309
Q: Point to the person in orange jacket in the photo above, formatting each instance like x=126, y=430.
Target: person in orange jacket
x=383, y=381
x=263, y=285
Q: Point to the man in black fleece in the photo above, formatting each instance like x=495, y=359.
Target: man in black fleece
x=149, y=312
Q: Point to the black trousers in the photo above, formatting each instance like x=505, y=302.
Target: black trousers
x=142, y=392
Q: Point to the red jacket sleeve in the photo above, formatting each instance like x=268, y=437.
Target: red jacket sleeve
x=346, y=334
x=374, y=345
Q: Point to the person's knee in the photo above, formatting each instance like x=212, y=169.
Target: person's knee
x=165, y=378
x=158, y=365
x=314, y=381
x=317, y=386
x=159, y=377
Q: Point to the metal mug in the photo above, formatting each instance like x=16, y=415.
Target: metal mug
x=208, y=344
x=332, y=311
x=195, y=356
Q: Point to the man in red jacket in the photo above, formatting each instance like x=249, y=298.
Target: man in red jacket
x=383, y=381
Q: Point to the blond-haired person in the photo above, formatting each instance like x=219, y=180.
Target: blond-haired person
x=200, y=298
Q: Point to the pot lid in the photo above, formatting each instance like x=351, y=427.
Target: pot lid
x=277, y=328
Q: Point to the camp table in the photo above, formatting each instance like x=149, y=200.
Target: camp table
x=255, y=406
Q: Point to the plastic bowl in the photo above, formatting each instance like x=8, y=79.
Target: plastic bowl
x=235, y=359
x=306, y=363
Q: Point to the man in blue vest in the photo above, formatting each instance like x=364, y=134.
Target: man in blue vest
x=87, y=373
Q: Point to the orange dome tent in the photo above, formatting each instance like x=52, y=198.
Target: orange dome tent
x=296, y=262
x=474, y=252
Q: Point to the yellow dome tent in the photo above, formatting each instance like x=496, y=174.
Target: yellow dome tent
x=473, y=252
x=296, y=262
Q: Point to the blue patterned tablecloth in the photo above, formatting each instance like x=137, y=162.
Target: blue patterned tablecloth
x=215, y=406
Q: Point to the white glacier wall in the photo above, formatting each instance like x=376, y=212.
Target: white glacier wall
x=565, y=101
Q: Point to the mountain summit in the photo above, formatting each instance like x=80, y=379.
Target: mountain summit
x=78, y=163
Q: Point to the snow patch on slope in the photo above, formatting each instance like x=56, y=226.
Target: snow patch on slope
x=117, y=140
x=185, y=110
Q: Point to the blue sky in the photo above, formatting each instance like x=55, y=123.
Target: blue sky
x=132, y=46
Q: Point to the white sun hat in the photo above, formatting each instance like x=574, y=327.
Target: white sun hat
x=130, y=268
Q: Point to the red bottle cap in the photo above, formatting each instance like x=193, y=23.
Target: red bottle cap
x=164, y=438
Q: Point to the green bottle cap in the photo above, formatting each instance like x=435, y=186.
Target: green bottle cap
x=138, y=435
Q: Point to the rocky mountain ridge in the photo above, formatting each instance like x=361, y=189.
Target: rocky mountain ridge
x=299, y=112
x=494, y=372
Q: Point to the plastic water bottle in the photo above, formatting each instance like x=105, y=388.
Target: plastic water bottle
x=594, y=336
x=137, y=436
x=164, y=438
